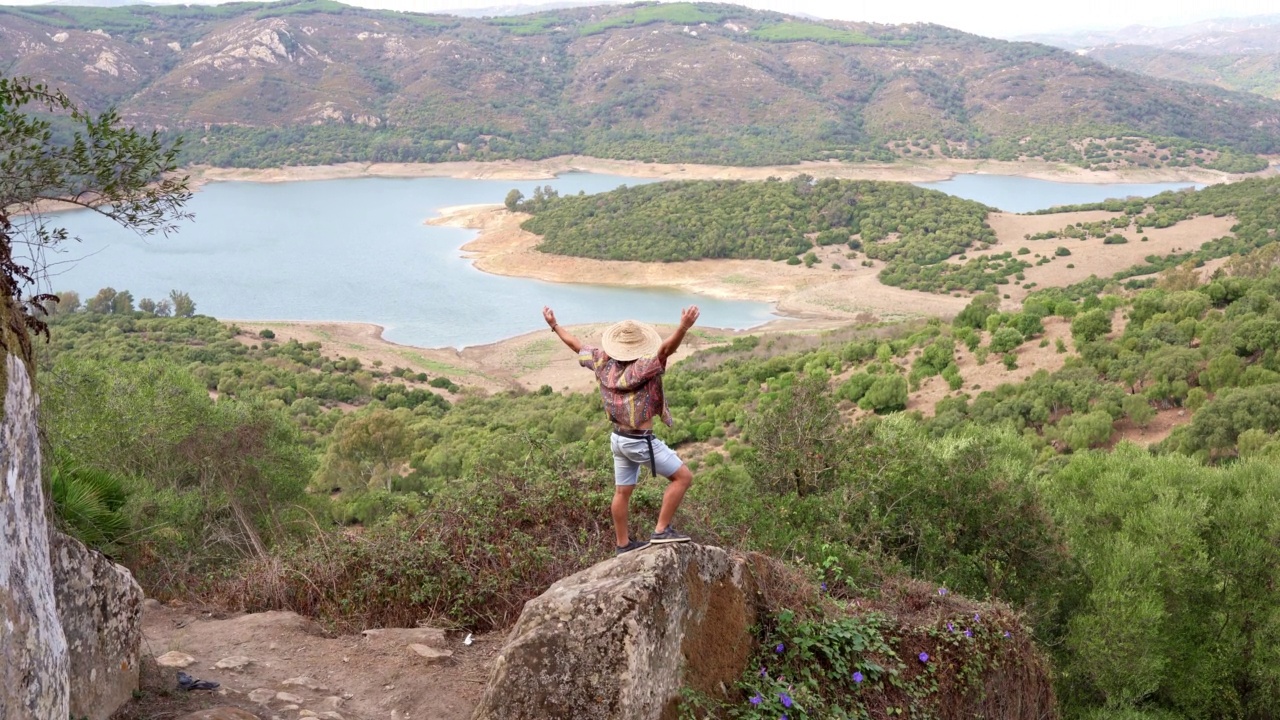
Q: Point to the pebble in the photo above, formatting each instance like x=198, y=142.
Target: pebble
x=333, y=702
x=219, y=713
x=289, y=698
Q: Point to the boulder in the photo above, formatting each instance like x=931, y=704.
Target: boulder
x=430, y=655
x=100, y=606
x=34, y=681
x=620, y=639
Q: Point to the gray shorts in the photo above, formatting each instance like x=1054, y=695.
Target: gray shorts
x=631, y=454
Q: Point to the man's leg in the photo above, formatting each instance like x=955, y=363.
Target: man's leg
x=620, y=508
x=671, y=497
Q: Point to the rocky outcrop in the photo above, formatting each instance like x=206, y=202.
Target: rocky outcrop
x=620, y=639
x=100, y=607
x=33, y=649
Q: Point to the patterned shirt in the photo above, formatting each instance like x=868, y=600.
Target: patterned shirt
x=632, y=391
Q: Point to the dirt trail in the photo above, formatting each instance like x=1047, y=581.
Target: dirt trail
x=376, y=676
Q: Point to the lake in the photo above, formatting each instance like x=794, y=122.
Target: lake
x=357, y=250
x=1020, y=195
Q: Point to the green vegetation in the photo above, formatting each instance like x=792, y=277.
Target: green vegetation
x=678, y=13
x=802, y=31
x=538, y=92
x=913, y=230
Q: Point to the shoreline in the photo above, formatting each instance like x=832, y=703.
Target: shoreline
x=549, y=169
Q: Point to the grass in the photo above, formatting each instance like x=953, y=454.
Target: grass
x=527, y=24
x=676, y=13
x=802, y=31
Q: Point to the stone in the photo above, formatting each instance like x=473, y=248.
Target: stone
x=289, y=698
x=235, y=662
x=309, y=683
x=330, y=715
x=391, y=637
x=619, y=640
x=151, y=605
x=220, y=713
x=175, y=659
x=333, y=702
x=100, y=605
x=307, y=713
x=430, y=654
x=34, y=659
x=262, y=696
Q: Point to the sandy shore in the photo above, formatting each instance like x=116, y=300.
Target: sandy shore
x=939, y=169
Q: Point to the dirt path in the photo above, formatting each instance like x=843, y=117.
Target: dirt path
x=376, y=676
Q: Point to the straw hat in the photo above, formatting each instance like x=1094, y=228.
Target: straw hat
x=630, y=340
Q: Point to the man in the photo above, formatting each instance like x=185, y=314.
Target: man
x=628, y=365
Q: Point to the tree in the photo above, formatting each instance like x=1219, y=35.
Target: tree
x=513, y=199
x=183, y=305
x=115, y=171
x=102, y=303
x=122, y=303
x=1091, y=325
x=800, y=441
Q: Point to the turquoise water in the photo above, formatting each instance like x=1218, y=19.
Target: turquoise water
x=358, y=250
x=1020, y=195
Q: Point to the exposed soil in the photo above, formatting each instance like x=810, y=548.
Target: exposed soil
x=903, y=171
x=361, y=678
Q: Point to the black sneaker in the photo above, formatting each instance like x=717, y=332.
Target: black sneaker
x=670, y=535
x=631, y=545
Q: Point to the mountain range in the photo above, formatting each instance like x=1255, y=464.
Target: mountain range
x=313, y=81
x=1232, y=53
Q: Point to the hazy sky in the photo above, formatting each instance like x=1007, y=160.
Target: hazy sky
x=1000, y=18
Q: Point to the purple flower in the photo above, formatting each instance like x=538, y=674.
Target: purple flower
x=1006, y=633
x=968, y=632
x=756, y=699
x=924, y=657
x=763, y=672
x=977, y=618
x=785, y=699
x=780, y=648
x=951, y=628
x=784, y=717
x=942, y=591
x=857, y=677
x=824, y=587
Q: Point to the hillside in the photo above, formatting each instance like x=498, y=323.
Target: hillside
x=313, y=81
x=1240, y=54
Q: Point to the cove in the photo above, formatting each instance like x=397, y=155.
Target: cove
x=1020, y=195
x=357, y=250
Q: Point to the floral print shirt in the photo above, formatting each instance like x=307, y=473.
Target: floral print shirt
x=631, y=391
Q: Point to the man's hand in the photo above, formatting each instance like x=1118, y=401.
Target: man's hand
x=549, y=316
x=689, y=316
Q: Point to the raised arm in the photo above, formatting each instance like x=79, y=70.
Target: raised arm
x=565, y=336
x=688, y=317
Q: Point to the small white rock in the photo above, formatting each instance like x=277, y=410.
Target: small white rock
x=333, y=702
x=289, y=698
x=306, y=713
x=175, y=659
x=309, y=683
x=235, y=662
x=331, y=716
x=262, y=696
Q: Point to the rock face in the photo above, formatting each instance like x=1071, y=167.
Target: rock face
x=100, y=606
x=620, y=639
x=33, y=649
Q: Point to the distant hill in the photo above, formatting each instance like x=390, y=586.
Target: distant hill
x=1237, y=54
x=314, y=81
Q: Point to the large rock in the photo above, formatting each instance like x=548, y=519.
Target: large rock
x=100, y=605
x=620, y=639
x=33, y=649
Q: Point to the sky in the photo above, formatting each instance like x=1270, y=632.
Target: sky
x=997, y=18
